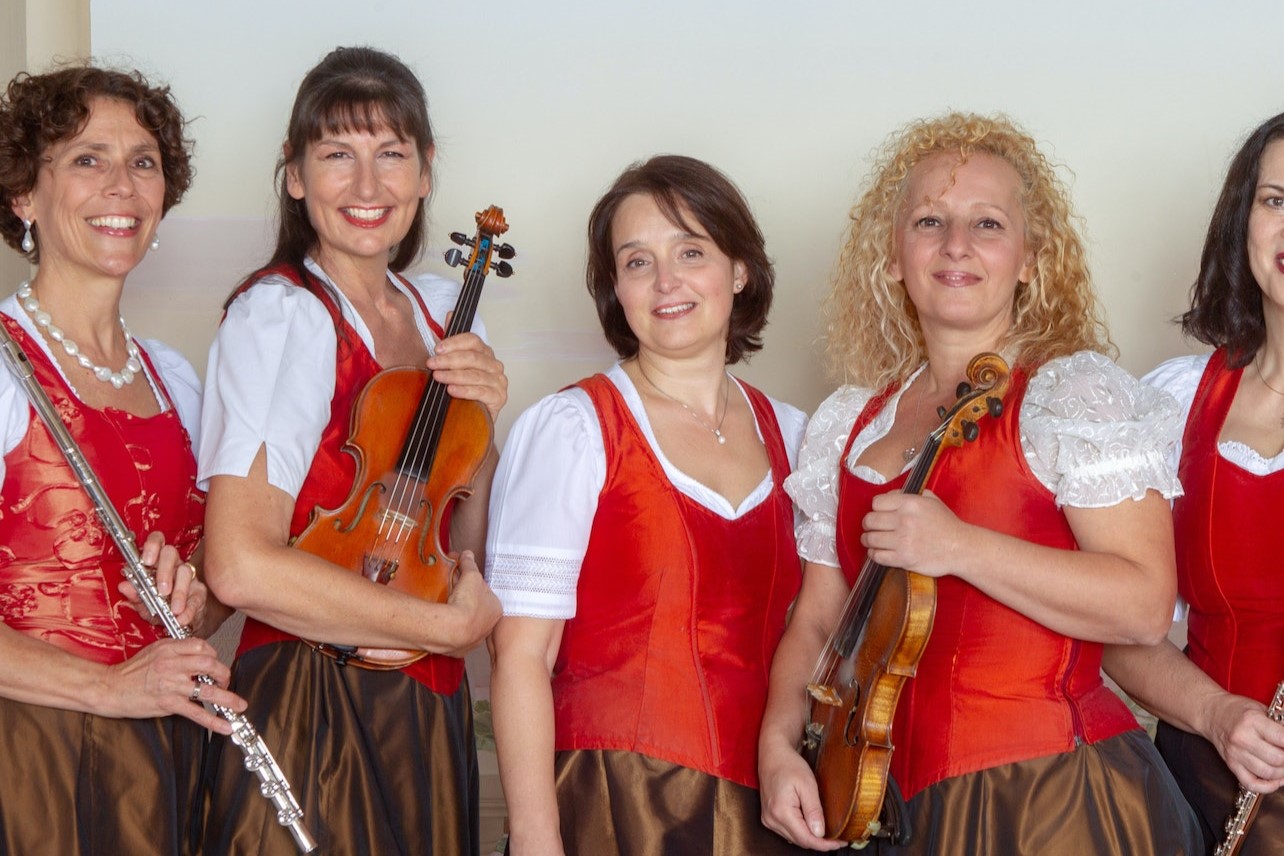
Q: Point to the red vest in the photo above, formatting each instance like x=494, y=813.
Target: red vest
x=330, y=477
x=58, y=568
x=993, y=686
x=1228, y=568
x=679, y=610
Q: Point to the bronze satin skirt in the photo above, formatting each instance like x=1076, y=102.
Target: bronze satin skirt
x=75, y=784
x=626, y=804
x=1113, y=798
x=379, y=764
x=1212, y=789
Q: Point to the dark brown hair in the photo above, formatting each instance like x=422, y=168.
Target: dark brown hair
x=352, y=89
x=676, y=183
x=39, y=110
x=1226, y=301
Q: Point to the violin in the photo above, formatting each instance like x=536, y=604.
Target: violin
x=418, y=451
x=875, y=648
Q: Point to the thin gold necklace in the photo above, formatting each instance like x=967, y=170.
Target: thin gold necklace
x=1267, y=384
x=726, y=392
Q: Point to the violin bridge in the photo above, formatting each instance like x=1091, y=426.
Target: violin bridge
x=377, y=570
x=825, y=695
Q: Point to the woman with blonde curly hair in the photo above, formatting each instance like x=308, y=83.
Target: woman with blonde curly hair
x=1048, y=536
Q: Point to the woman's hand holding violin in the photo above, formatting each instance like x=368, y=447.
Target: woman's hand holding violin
x=467, y=367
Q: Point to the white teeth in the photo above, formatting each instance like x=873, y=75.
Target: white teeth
x=114, y=222
x=365, y=213
x=673, y=310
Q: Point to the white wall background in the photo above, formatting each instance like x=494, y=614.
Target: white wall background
x=539, y=105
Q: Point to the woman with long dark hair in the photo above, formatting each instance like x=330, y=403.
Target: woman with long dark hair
x=1214, y=732
x=383, y=761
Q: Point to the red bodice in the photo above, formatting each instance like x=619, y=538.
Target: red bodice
x=679, y=610
x=59, y=569
x=993, y=686
x=330, y=477
x=1227, y=569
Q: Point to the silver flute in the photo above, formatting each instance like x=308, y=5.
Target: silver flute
x=258, y=760
x=1248, y=803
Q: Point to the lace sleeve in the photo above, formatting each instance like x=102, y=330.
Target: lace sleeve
x=1094, y=435
x=814, y=484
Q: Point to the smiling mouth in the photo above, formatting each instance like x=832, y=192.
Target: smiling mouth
x=366, y=216
x=114, y=221
x=673, y=310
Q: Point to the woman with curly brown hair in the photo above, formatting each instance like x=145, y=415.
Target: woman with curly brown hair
x=1212, y=700
x=1048, y=536
x=90, y=161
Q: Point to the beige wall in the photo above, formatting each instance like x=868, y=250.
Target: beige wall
x=539, y=105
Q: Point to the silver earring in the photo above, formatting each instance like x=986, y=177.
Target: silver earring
x=155, y=245
x=28, y=242
x=739, y=287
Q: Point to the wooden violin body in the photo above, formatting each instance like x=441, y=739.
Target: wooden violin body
x=418, y=451
x=884, y=627
x=390, y=527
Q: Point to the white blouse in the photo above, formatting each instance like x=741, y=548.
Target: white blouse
x=271, y=374
x=545, y=493
x=1091, y=433
x=1180, y=377
x=176, y=374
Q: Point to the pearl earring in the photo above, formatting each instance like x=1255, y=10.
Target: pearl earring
x=28, y=242
x=155, y=245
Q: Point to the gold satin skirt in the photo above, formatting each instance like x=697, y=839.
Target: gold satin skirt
x=75, y=784
x=379, y=764
x=1112, y=798
x=1211, y=789
x=625, y=804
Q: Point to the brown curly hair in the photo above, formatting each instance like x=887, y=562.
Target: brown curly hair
x=873, y=333
x=39, y=110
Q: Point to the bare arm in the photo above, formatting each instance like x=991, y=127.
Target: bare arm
x=1118, y=587
x=790, y=800
x=250, y=566
x=522, y=705
x=1164, y=681
x=156, y=681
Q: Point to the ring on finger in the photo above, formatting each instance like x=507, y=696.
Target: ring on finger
x=195, y=694
x=191, y=568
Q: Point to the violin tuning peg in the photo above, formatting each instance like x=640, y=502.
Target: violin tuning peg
x=940, y=412
x=502, y=269
x=970, y=431
x=461, y=239
x=995, y=406
x=454, y=258
x=505, y=251
x=963, y=389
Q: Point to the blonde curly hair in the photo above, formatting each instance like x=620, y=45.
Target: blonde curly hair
x=872, y=330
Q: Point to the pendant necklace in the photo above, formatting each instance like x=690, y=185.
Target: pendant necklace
x=715, y=429
x=912, y=451
x=1267, y=384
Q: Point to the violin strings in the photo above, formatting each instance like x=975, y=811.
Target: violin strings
x=402, y=496
x=829, y=656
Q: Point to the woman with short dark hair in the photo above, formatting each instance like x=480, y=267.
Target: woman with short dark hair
x=641, y=544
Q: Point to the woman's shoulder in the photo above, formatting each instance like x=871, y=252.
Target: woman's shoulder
x=1179, y=375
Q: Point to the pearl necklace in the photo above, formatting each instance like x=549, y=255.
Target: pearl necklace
x=726, y=391
x=117, y=379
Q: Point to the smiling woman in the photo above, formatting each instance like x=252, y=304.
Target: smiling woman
x=1046, y=537
x=642, y=605
x=384, y=760
x=90, y=161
